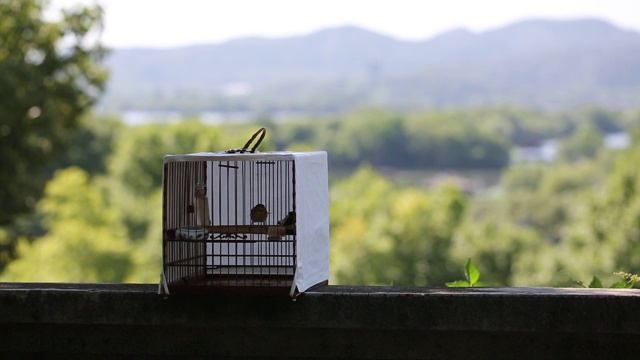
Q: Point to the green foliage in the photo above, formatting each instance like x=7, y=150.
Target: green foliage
x=472, y=277
x=516, y=234
x=442, y=140
x=478, y=138
x=93, y=143
x=585, y=142
x=373, y=135
x=604, y=230
x=542, y=197
x=500, y=248
x=391, y=235
x=135, y=167
x=107, y=228
x=105, y=217
x=82, y=243
x=545, y=216
x=50, y=75
x=629, y=280
x=383, y=138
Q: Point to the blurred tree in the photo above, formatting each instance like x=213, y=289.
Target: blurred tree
x=136, y=162
x=603, y=120
x=135, y=167
x=439, y=140
x=382, y=234
x=585, y=142
x=371, y=135
x=377, y=135
x=110, y=224
x=497, y=247
x=380, y=137
x=554, y=223
x=92, y=143
x=629, y=120
x=359, y=210
x=634, y=133
x=422, y=227
x=542, y=197
x=605, y=235
x=302, y=132
x=83, y=242
x=50, y=75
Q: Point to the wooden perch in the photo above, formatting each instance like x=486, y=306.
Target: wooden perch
x=236, y=232
x=274, y=232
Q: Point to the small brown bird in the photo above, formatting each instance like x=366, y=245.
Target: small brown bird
x=290, y=219
x=259, y=214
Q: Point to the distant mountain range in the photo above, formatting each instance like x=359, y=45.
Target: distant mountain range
x=539, y=63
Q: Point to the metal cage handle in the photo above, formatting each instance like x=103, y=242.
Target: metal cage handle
x=262, y=131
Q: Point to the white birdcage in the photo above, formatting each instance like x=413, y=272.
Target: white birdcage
x=245, y=222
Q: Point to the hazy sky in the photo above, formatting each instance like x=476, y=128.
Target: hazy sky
x=162, y=23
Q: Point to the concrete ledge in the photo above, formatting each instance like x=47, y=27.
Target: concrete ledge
x=96, y=320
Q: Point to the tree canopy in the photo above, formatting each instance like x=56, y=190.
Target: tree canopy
x=50, y=74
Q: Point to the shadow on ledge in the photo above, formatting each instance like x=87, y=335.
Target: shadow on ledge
x=331, y=322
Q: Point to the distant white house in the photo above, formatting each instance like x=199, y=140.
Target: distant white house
x=547, y=151
x=617, y=141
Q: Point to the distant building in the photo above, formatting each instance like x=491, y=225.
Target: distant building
x=617, y=141
x=547, y=150
x=462, y=183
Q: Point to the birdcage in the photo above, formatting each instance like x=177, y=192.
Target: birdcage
x=245, y=222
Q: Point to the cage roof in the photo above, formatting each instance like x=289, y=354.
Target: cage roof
x=223, y=156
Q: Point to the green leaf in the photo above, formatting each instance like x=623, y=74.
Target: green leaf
x=595, y=283
x=621, y=285
x=458, y=283
x=471, y=272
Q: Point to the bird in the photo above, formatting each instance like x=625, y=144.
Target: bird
x=290, y=219
x=259, y=214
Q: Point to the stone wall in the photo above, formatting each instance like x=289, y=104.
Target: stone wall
x=104, y=320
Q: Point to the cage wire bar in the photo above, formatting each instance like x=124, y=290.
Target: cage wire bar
x=211, y=242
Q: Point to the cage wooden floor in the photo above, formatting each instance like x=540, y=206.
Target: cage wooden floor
x=238, y=265
x=232, y=279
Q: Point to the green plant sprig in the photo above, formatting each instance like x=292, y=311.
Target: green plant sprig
x=472, y=275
